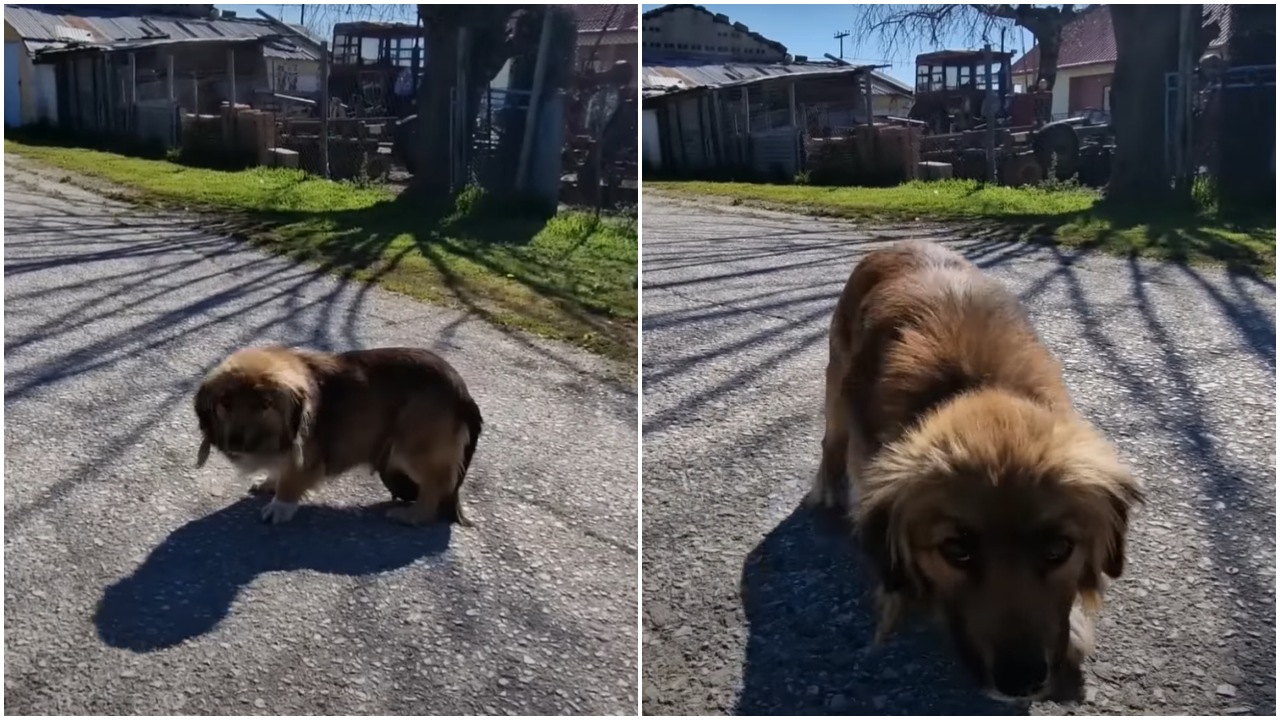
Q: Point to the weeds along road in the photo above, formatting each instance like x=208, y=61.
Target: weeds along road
x=1175, y=364
x=136, y=584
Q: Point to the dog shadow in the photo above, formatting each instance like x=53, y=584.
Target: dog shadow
x=187, y=584
x=810, y=613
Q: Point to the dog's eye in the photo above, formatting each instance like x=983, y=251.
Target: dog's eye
x=1058, y=550
x=958, y=551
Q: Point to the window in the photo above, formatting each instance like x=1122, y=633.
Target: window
x=286, y=77
x=402, y=51
x=345, y=49
x=953, y=77
x=368, y=51
x=1106, y=98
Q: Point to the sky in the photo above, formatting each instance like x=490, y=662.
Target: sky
x=320, y=18
x=809, y=30
x=804, y=29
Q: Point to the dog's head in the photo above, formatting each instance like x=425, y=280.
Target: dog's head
x=255, y=408
x=1001, y=515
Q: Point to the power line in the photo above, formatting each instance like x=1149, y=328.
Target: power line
x=841, y=35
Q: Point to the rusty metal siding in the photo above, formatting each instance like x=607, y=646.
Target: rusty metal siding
x=775, y=154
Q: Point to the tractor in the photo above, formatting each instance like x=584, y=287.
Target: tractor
x=951, y=89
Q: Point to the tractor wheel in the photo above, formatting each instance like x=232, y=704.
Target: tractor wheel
x=1022, y=171
x=1057, y=147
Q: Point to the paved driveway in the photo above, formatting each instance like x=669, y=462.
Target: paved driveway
x=1177, y=365
x=136, y=584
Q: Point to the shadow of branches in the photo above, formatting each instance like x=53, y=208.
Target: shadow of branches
x=1163, y=356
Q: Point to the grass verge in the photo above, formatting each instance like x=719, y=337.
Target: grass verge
x=1072, y=217
x=570, y=278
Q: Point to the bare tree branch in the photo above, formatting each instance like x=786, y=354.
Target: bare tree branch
x=908, y=27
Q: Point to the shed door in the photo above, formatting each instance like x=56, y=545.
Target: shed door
x=12, y=87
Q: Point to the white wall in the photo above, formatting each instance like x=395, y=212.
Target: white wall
x=652, y=147
x=46, y=93
x=307, y=72
x=1062, y=85
x=12, y=84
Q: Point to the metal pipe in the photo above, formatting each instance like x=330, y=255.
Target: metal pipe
x=990, y=113
x=324, y=108
x=535, y=101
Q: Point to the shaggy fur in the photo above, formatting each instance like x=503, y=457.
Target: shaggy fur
x=303, y=416
x=979, y=494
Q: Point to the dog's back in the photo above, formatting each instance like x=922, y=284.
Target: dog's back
x=924, y=325
x=369, y=398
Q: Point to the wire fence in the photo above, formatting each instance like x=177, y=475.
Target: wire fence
x=1231, y=127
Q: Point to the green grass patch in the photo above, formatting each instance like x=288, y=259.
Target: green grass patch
x=1076, y=217
x=572, y=277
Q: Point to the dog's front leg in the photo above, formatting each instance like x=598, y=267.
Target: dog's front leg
x=290, y=485
x=830, y=486
x=266, y=487
x=889, y=613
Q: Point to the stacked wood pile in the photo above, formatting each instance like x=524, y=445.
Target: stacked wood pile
x=870, y=155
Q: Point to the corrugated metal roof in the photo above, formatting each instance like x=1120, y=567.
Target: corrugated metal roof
x=671, y=74
x=594, y=18
x=105, y=26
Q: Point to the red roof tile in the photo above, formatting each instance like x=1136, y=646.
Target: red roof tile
x=1090, y=39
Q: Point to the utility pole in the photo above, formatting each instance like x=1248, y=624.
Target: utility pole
x=841, y=35
x=990, y=114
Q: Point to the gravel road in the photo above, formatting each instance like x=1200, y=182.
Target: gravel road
x=136, y=584
x=1177, y=365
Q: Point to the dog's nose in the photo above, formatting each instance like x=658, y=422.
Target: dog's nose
x=1021, y=674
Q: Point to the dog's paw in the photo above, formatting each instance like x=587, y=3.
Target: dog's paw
x=266, y=487
x=824, y=495
x=407, y=516
x=277, y=512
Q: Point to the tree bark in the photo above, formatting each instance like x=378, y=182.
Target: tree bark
x=432, y=142
x=1050, y=46
x=1146, y=48
x=494, y=37
x=1046, y=25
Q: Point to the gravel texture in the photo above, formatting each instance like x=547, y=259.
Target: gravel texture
x=754, y=605
x=136, y=584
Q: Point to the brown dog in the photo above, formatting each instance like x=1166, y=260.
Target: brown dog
x=977, y=491
x=302, y=416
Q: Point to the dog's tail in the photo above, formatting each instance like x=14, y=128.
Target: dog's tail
x=474, y=422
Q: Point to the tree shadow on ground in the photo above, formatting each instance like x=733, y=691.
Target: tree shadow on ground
x=484, y=261
x=187, y=585
x=807, y=656
x=1175, y=235
x=747, y=340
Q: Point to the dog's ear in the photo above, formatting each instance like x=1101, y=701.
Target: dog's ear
x=204, y=415
x=202, y=456
x=877, y=541
x=1123, y=495
x=297, y=414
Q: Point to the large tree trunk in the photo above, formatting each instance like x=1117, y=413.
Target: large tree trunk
x=432, y=142
x=1050, y=47
x=1146, y=48
x=492, y=38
